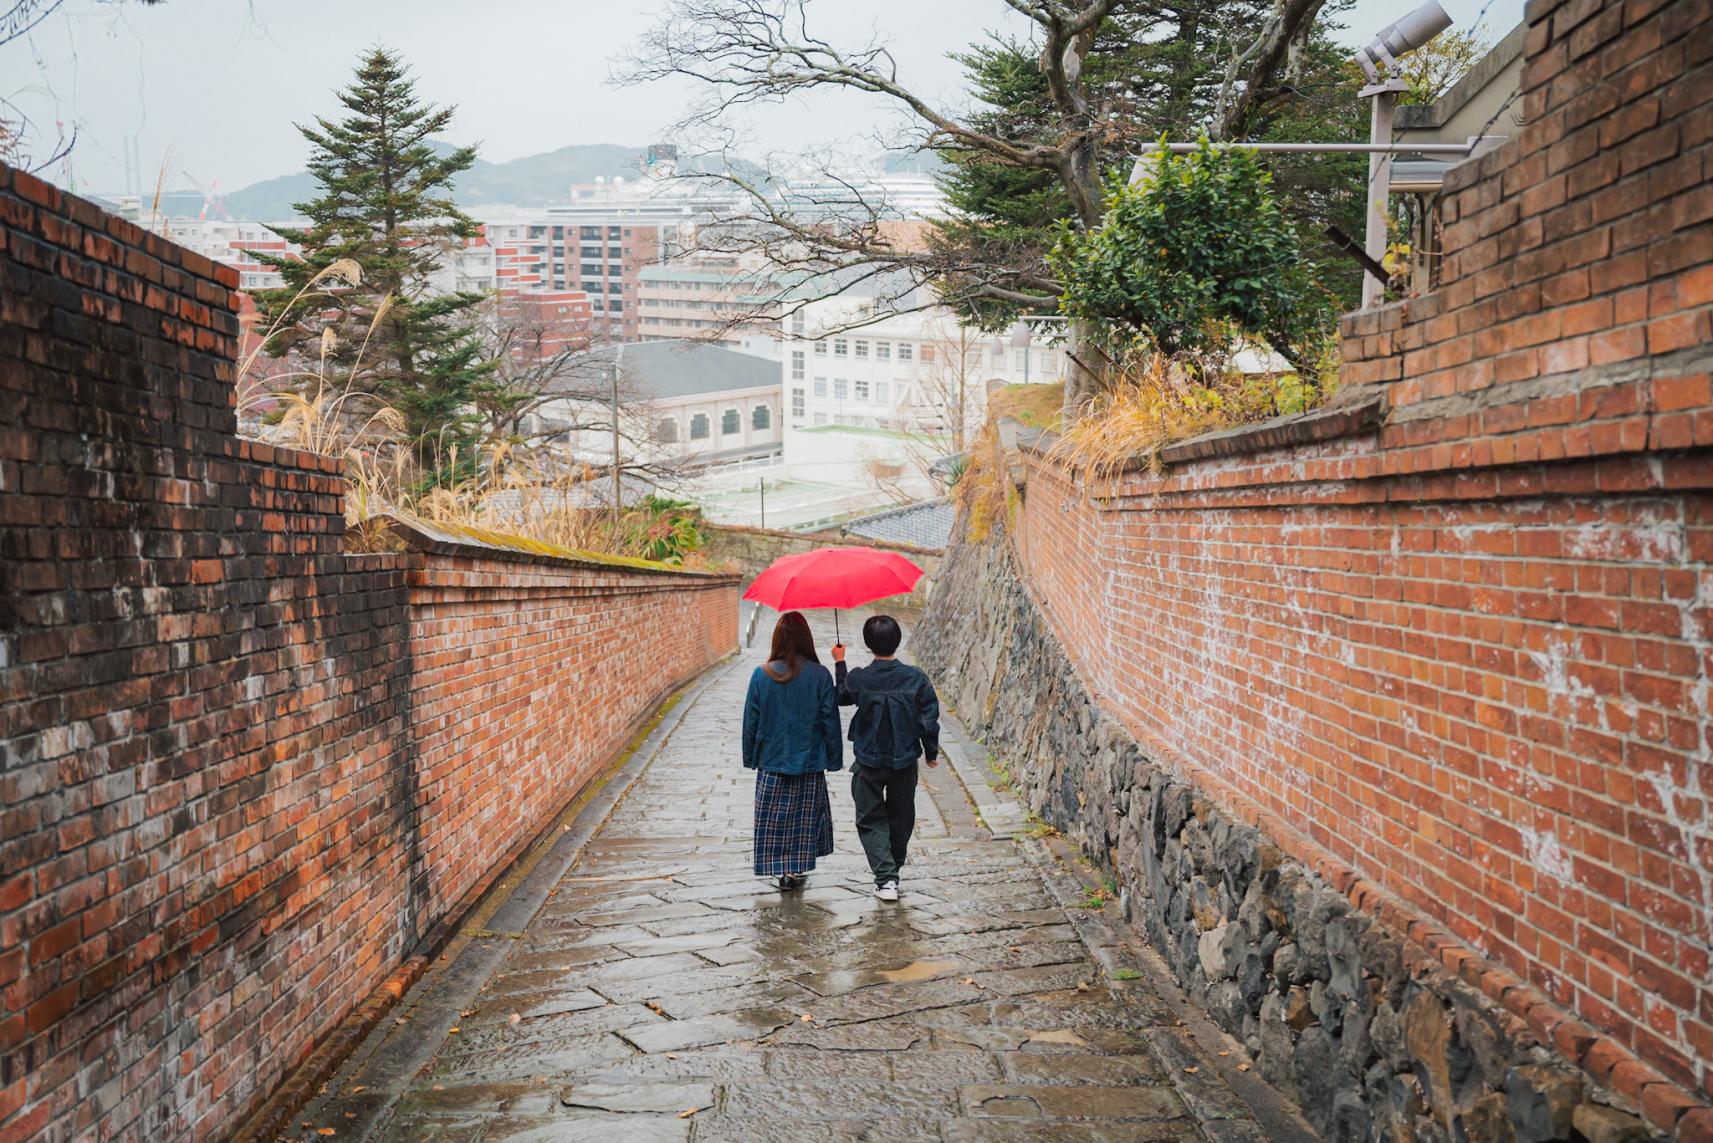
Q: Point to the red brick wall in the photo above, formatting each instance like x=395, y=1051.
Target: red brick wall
x=1468, y=655
x=234, y=792
x=525, y=677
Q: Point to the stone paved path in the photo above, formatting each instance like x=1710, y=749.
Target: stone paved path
x=663, y=993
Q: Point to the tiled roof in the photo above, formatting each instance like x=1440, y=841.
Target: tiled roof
x=927, y=524
x=685, y=368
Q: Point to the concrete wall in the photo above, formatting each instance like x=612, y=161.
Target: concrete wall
x=244, y=773
x=750, y=550
x=1454, y=662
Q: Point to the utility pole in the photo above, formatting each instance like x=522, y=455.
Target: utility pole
x=618, y=485
x=1385, y=97
x=761, y=486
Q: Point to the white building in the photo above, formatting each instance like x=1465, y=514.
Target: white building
x=915, y=372
x=217, y=239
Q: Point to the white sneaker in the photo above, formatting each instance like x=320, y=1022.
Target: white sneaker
x=888, y=891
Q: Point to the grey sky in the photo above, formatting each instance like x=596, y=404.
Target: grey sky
x=220, y=82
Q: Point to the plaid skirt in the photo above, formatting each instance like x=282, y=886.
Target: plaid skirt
x=793, y=822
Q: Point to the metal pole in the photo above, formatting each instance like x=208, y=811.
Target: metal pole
x=1387, y=147
x=1380, y=150
x=618, y=487
x=761, y=486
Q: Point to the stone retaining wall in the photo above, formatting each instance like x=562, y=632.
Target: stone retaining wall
x=750, y=550
x=1364, y=1027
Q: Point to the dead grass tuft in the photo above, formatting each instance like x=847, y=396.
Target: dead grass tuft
x=1156, y=402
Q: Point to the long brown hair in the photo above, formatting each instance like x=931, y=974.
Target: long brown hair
x=792, y=644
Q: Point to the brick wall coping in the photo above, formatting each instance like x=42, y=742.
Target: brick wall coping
x=1349, y=417
x=461, y=540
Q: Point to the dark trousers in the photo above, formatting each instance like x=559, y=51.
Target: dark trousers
x=885, y=815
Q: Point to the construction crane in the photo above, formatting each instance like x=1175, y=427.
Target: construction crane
x=210, y=198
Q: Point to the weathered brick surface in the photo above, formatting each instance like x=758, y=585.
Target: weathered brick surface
x=243, y=772
x=1465, y=656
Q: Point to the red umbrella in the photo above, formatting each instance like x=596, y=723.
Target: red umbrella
x=833, y=577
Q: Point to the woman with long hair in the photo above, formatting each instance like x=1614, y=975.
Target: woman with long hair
x=791, y=739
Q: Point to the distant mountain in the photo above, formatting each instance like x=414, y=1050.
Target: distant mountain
x=534, y=180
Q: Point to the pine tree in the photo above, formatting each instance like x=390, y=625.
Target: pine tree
x=386, y=205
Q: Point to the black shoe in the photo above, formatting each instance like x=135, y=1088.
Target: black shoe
x=792, y=881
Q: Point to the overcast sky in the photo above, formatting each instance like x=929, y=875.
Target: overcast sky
x=220, y=82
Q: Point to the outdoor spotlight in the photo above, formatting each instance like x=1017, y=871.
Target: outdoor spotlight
x=1402, y=38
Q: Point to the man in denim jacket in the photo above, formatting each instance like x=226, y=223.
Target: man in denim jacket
x=897, y=722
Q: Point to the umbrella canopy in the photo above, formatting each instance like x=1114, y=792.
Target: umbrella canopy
x=833, y=577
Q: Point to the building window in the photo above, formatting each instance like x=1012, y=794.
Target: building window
x=862, y=390
x=883, y=351
x=820, y=386
x=927, y=353
x=796, y=365
x=841, y=388
x=841, y=347
x=699, y=427
x=798, y=403
x=730, y=422
x=820, y=349
x=903, y=351
x=820, y=418
x=881, y=391
x=861, y=348
x=761, y=417
x=666, y=432
x=797, y=322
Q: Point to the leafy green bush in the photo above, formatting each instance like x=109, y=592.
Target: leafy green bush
x=1195, y=258
x=669, y=529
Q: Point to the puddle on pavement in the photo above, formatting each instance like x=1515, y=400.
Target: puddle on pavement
x=918, y=970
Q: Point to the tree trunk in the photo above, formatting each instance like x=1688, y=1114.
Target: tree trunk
x=1085, y=373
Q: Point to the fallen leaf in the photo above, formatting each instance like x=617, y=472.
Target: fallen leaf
x=359, y=1087
x=399, y=1020
x=350, y=1115
x=1082, y=986
x=807, y=1018
x=454, y=1028
x=1242, y=1067
x=688, y=1112
x=1192, y=1070
x=468, y=1012
x=514, y=1018
x=1225, y=1053
x=1059, y=1036
x=672, y=1055
x=325, y=1131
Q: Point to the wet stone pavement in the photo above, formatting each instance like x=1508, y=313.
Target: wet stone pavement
x=661, y=992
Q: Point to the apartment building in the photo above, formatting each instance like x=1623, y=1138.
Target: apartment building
x=539, y=325
x=726, y=299
x=600, y=258
x=223, y=240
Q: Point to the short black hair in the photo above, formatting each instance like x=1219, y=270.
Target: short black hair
x=882, y=634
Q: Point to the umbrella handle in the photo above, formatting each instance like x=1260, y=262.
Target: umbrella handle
x=837, y=638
